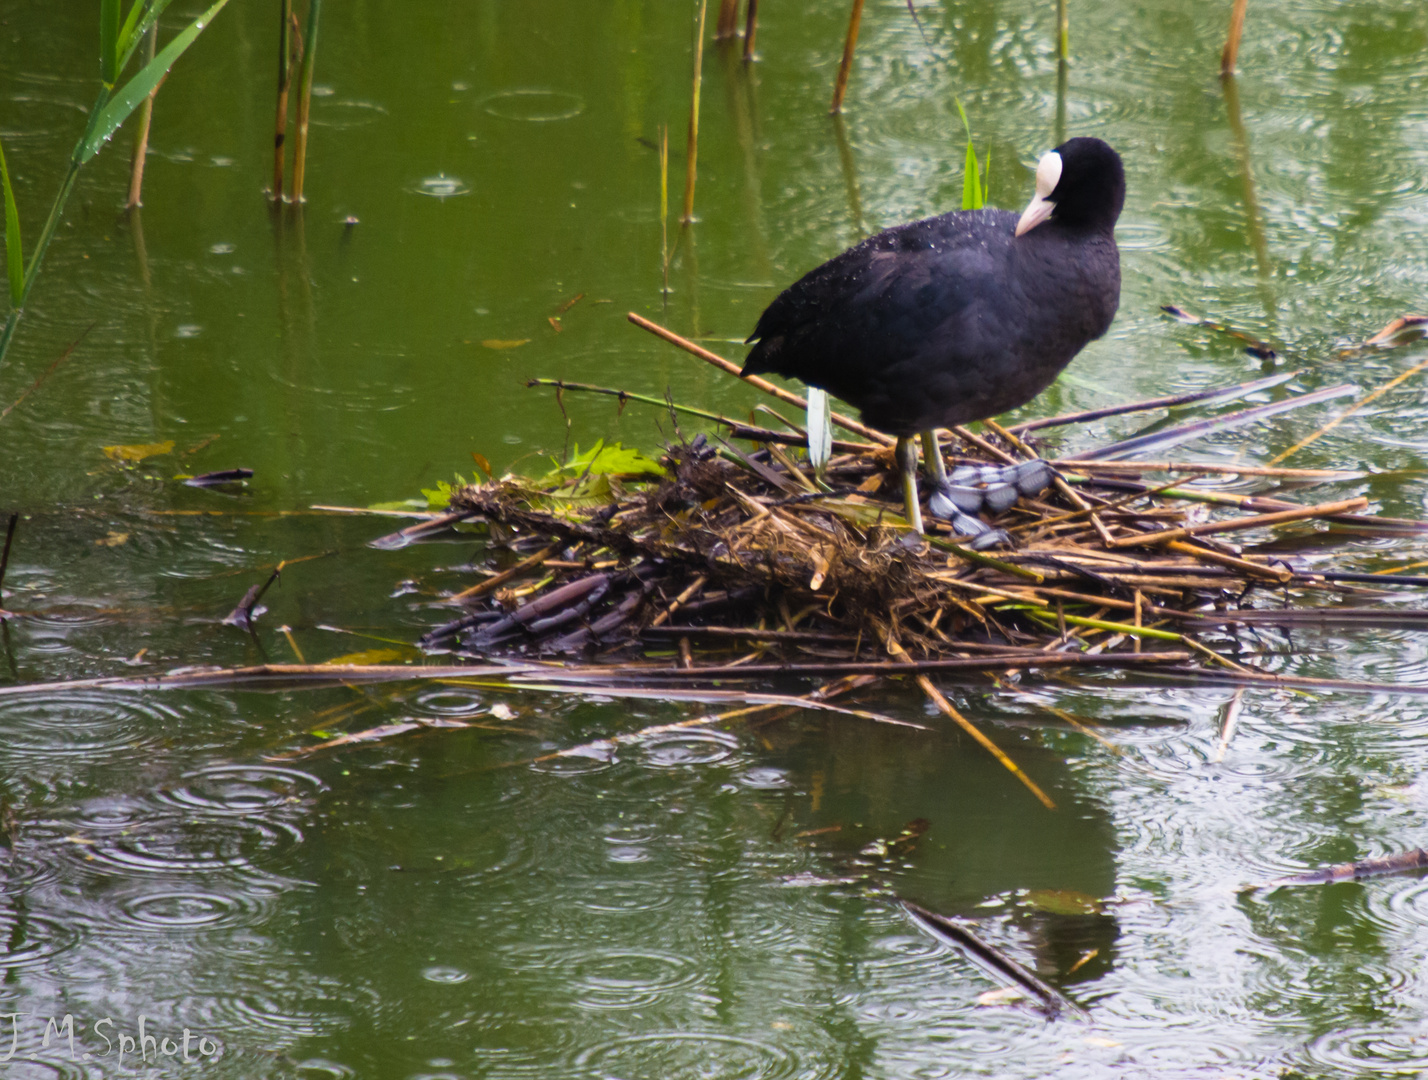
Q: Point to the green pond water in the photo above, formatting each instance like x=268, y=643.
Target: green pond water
x=694, y=905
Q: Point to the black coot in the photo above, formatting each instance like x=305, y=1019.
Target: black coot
x=958, y=318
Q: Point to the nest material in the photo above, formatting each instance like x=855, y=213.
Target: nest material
x=734, y=549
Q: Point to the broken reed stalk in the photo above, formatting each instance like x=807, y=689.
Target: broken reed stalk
x=727, y=24
x=309, y=60
x=141, y=137
x=285, y=75
x=1230, y=56
x=691, y=158
x=662, y=403
x=849, y=44
x=664, y=208
x=1355, y=407
x=751, y=28
x=937, y=698
x=846, y=423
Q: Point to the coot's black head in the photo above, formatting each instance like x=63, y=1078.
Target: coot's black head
x=1080, y=185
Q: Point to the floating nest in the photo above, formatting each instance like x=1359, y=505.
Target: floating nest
x=741, y=558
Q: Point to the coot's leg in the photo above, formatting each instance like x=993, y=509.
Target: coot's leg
x=957, y=505
x=907, y=467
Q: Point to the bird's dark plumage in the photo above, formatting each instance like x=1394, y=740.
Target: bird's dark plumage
x=957, y=318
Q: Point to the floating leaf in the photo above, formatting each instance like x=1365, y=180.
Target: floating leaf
x=1007, y=995
x=138, y=451
x=482, y=464
x=370, y=656
x=502, y=343
x=112, y=539
x=613, y=460
x=1063, y=902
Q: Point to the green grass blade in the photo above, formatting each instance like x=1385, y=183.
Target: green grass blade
x=14, y=253
x=109, y=41
x=141, y=85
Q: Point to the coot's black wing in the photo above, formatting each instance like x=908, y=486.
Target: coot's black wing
x=881, y=323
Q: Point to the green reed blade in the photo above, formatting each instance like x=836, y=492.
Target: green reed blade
x=141, y=85
x=144, y=14
x=109, y=41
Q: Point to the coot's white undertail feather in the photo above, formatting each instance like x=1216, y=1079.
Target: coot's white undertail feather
x=962, y=316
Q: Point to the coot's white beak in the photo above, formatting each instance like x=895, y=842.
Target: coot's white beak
x=1048, y=175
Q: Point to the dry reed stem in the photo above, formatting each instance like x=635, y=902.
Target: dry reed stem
x=506, y=575
x=1231, y=53
x=767, y=387
x=304, y=107
x=1204, y=467
x=694, y=587
x=285, y=74
x=727, y=25
x=849, y=44
x=1282, y=574
x=1355, y=407
x=692, y=148
x=141, y=137
x=751, y=28
x=1236, y=524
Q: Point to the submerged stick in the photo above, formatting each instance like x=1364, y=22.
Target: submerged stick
x=692, y=148
x=1231, y=53
x=1404, y=862
x=849, y=44
x=938, y=699
x=1233, y=708
x=753, y=380
x=943, y=928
